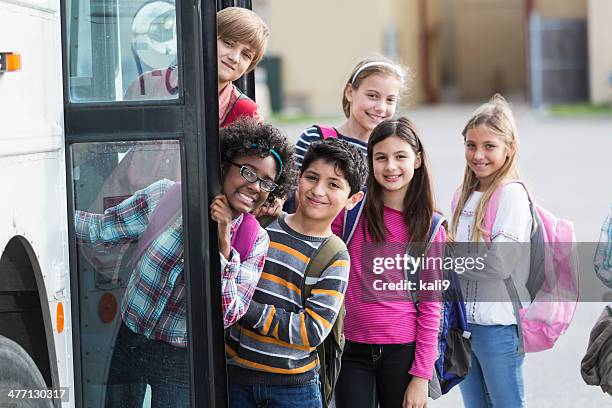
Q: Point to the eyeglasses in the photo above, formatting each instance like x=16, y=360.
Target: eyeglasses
x=249, y=175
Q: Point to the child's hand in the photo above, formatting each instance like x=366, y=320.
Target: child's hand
x=221, y=212
x=272, y=209
x=416, y=393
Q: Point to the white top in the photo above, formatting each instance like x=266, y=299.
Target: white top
x=486, y=295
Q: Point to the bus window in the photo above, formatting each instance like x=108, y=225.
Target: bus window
x=122, y=50
x=109, y=280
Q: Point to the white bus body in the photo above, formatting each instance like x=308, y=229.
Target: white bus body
x=33, y=225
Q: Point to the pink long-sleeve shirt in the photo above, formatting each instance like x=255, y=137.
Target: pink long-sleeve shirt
x=378, y=314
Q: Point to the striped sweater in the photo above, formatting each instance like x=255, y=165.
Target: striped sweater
x=275, y=342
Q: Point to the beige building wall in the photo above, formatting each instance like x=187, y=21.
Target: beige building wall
x=319, y=48
x=489, y=44
x=600, y=50
x=561, y=8
x=319, y=42
x=435, y=25
x=420, y=47
x=405, y=16
x=478, y=44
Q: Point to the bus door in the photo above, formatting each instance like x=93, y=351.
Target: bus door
x=141, y=114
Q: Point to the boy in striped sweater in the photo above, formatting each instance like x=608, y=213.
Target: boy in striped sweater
x=271, y=351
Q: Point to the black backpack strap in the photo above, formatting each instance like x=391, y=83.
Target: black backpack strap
x=351, y=218
x=266, y=220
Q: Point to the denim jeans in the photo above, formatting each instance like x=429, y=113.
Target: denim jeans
x=275, y=396
x=374, y=373
x=138, y=361
x=496, y=377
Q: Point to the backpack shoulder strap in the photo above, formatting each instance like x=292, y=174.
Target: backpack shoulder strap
x=455, y=200
x=437, y=221
x=493, y=206
x=244, y=238
x=328, y=352
x=167, y=209
x=266, y=220
x=327, y=132
x=351, y=219
x=324, y=256
x=242, y=106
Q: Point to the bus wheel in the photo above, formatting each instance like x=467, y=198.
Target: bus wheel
x=21, y=383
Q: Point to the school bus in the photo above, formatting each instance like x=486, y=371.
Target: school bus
x=99, y=98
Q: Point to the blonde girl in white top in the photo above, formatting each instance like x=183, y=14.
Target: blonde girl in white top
x=491, y=153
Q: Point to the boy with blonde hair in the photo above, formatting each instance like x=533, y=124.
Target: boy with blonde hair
x=241, y=41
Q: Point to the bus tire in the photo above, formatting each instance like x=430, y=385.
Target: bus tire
x=19, y=372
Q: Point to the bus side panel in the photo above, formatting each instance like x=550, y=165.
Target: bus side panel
x=32, y=159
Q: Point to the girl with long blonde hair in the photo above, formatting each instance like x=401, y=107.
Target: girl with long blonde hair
x=491, y=154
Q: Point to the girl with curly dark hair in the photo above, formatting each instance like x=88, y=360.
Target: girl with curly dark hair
x=257, y=166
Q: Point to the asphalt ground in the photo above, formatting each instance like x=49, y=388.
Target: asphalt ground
x=567, y=164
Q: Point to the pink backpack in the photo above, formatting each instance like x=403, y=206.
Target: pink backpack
x=327, y=132
x=553, y=276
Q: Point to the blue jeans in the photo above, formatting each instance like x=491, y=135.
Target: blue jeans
x=496, y=377
x=138, y=361
x=275, y=396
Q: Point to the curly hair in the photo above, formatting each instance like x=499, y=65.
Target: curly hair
x=343, y=155
x=238, y=139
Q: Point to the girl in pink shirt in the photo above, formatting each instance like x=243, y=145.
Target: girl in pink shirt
x=391, y=347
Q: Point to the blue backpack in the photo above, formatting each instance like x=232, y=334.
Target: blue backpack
x=454, y=338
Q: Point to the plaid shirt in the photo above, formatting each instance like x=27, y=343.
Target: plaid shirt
x=154, y=304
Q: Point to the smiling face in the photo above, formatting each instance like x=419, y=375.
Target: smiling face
x=393, y=164
x=322, y=191
x=485, y=154
x=233, y=60
x=243, y=196
x=374, y=100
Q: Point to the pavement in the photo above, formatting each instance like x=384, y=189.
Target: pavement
x=567, y=163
